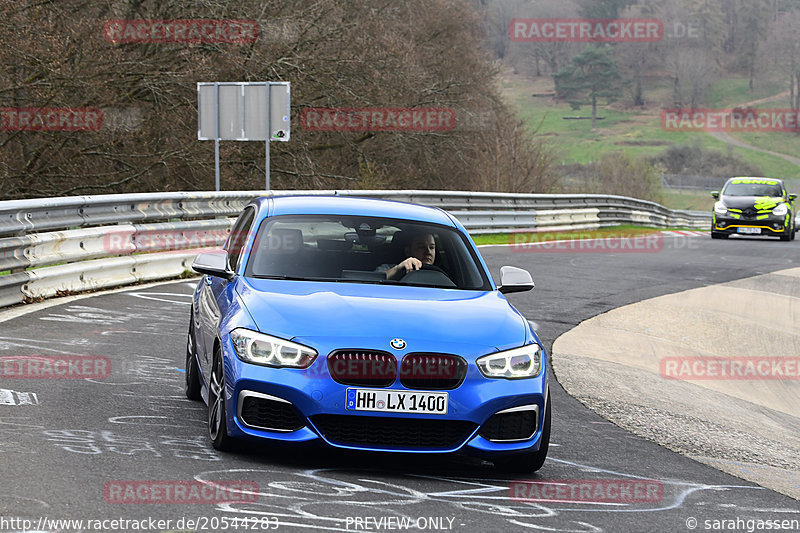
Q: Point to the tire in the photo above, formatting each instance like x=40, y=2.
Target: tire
x=217, y=420
x=526, y=463
x=715, y=235
x=787, y=236
x=192, y=385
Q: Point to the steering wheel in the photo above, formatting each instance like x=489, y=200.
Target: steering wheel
x=426, y=266
x=428, y=275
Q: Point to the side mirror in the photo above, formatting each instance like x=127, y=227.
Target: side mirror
x=715, y=194
x=792, y=197
x=513, y=279
x=214, y=264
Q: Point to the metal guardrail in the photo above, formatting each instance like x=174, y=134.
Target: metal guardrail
x=55, y=246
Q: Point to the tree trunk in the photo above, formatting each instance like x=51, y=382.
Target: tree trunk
x=676, y=92
x=792, y=85
x=638, y=99
x=797, y=90
x=594, y=112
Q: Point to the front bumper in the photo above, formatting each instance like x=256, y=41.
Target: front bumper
x=766, y=224
x=318, y=402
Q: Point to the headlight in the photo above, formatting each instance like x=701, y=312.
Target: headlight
x=719, y=208
x=525, y=362
x=261, y=349
x=781, y=210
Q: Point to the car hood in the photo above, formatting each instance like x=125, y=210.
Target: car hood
x=742, y=202
x=342, y=313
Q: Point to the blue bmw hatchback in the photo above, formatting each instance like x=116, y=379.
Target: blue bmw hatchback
x=367, y=325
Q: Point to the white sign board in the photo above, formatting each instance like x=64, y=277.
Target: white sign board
x=243, y=111
x=238, y=111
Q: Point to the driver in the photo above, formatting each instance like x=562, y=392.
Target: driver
x=420, y=249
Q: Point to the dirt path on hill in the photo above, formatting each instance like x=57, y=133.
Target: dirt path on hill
x=729, y=139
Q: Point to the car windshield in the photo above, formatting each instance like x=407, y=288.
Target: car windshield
x=752, y=188
x=357, y=249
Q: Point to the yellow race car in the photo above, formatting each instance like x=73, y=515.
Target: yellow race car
x=753, y=206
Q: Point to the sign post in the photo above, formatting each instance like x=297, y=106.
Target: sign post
x=243, y=111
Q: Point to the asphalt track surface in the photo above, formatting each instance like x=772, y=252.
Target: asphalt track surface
x=85, y=436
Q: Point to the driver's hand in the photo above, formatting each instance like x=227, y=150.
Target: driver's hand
x=411, y=263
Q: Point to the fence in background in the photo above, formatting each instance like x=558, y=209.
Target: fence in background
x=693, y=183
x=56, y=246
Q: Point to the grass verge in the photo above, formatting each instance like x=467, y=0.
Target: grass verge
x=625, y=230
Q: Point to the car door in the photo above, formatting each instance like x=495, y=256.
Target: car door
x=212, y=303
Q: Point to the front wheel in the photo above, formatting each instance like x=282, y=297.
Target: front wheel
x=715, y=235
x=531, y=461
x=217, y=424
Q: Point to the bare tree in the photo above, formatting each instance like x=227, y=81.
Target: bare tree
x=360, y=53
x=748, y=21
x=694, y=71
x=781, y=51
x=538, y=58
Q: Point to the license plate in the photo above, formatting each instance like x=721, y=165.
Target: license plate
x=395, y=401
x=753, y=231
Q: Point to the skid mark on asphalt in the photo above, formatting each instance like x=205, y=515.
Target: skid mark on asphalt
x=319, y=499
x=181, y=298
x=115, y=443
x=7, y=343
x=12, y=503
x=142, y=370
x=91, y=315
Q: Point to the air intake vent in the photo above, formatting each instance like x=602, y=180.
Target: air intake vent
x=432, y=371
x=391, y=433
x=511, y=425
x=365, y=368
x=266, y=412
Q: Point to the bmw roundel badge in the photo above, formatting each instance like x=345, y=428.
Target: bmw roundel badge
x=397, y=344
